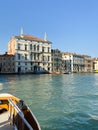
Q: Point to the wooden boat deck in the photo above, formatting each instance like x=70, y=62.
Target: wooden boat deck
x=6, y=126
x=14, y=114
x=4, y=122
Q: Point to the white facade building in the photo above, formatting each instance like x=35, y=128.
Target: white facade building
x=76, y=63
x=32, y=54
x=67, y=62
x=95, y=64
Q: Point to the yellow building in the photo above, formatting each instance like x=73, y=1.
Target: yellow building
x=95, y=64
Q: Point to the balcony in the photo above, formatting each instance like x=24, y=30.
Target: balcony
x=34, y=51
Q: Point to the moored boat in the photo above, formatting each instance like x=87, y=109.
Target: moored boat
x=67, y=72
x=15, y=115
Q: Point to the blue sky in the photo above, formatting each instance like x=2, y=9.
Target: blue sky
x=71, y=25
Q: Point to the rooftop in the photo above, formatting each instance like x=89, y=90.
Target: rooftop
x=31, y=38
x=6, y=54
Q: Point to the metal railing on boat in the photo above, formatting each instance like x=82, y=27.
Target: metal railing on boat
x=17, y=118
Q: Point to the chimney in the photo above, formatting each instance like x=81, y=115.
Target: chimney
x=21, y=32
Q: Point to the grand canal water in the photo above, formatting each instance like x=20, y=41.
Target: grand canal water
x=60, y=102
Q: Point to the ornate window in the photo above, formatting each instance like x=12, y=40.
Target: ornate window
x=30, y=46
x=25, y=56
x=19, y=46
x=19, y=56
x=25, y=47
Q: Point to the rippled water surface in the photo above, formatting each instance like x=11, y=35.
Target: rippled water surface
x=60, y=102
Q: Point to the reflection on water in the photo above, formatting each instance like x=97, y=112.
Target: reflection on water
x=1, y=86
x=60, y=102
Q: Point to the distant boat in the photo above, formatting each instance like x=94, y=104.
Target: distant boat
x=15, y=115
x=41, y=72
x=67, y=73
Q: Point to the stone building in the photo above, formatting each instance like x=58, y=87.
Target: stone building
x=73, y=62
x=78, y=63
x=7, y=63
x=95, y=65
x=32, y=54
x=56, y=61
x=66, y=60
x=88, y=63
